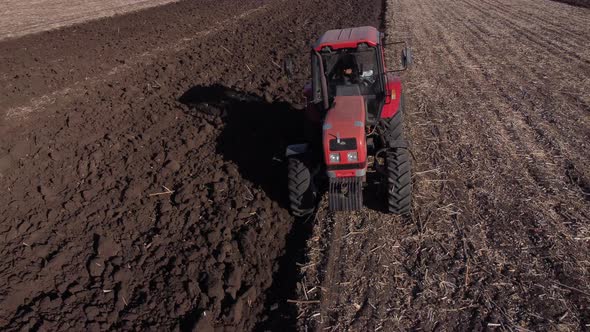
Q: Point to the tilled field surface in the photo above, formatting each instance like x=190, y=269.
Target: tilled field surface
x=498, y=113
x=140, y=166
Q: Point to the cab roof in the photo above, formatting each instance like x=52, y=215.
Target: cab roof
x=348, y=38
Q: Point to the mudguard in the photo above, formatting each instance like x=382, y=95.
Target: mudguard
x=392, y=97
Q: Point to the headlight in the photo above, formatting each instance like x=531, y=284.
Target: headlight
x=334, y=157
x=352, y=156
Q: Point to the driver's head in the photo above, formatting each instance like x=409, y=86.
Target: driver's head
x=348, y=64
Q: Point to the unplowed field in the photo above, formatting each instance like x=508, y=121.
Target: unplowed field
x=20, y=18
x=144, y=189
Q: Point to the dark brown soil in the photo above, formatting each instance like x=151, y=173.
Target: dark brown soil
x=141, y=167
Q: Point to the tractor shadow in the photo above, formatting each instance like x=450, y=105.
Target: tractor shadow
x=255, y=135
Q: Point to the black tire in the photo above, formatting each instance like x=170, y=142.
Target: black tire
x=393, y=128
x=301, y=194
x=399, y=181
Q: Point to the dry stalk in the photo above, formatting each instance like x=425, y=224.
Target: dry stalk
x=303, y=301
x=228, y=51
x=571, y=288
x=166, y=192
x=276, y=64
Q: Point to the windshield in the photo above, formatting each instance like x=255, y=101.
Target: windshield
x=352, y=72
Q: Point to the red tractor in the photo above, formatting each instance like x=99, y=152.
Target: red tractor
x=354, y=127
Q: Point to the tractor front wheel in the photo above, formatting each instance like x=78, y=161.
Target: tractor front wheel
x=301, y=193
x=399, y=181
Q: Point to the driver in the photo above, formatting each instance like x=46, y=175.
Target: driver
x=347, y=72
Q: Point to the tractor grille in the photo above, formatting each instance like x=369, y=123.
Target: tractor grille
x=343, y=144
x=345, y=194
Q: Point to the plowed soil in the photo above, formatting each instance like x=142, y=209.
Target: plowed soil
x=144, y=188
x=140, y=163
x=498, y=113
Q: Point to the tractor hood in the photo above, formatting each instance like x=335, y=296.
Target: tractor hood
x=344, y=132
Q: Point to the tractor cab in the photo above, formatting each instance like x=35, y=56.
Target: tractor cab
x=349, y=62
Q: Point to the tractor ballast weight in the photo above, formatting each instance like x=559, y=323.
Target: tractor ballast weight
x=354, y=126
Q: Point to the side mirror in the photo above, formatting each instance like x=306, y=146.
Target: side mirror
x=288, y=67
x=407, y=58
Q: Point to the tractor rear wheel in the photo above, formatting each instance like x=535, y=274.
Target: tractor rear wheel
x=399, y=181
x=301, y=193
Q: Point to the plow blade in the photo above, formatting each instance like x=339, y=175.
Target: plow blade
x=345, y=194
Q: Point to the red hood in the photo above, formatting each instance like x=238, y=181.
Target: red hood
x=346, y=119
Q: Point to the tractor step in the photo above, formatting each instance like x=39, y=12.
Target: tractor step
x=345, y=194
